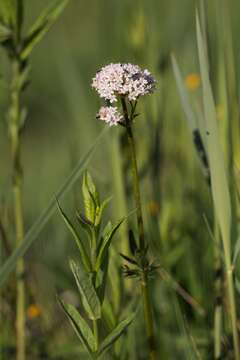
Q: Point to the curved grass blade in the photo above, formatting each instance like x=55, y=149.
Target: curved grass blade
x=43, y=219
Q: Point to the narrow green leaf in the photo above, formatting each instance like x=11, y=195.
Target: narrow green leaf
x=89, y=296
x=115, y=334
x=106, y=243
x=86, y=225
x=8, y=12
x=42, y=26
x=100, y=210
x=5, y=33
x=220, y=189
x=102, y=284
x=43, y=219
x=80, y=326
x=84, y=256
x=186, y=104
x=90, y=197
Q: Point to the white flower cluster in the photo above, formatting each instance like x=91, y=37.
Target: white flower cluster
x=116, y=80
x=123, y=79
x=110, y=115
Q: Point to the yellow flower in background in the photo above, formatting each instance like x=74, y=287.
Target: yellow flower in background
x=34, y=311
x=154, y=208
x=193, y=81
x=137, y=31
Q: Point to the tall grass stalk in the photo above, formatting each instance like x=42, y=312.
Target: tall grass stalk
x=15, y=119
x=220, y=189
x=148, y=312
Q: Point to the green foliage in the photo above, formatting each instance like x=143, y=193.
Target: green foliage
x=80, y=326
x=5, y=33
x=8, y=12
x=87, y=291
x=41, y=26
x=84, y=255
x=115, y=334
x=92, y=282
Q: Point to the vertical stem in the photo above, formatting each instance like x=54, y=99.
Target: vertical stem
x=233, y=312
x=95, y=332
x=15, y=113
x=142, y=244
x=218, y=310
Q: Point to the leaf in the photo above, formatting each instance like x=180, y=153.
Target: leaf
x=5, y=33
x=80, y=326
x=102, y=283
x=90, y=197
x=220, y=190
x=84, y=256
x=8, y=12
x=89, y=296
x=128, y=259
x=115, y=334
x=43, y=219
x=42, y=26
x=86, y=225
x=100, y=209
x=106, y=243
x=189, y=113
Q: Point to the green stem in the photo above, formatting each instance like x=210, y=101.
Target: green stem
x=95, y=332
x=233, y=312
x=148, y=314
x=15, y=113
x=218, y=308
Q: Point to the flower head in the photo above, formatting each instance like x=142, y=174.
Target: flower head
x=34, y=311
x=193, y=81
x=110, y=115
x=123, y=79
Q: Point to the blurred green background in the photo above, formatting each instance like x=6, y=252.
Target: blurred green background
x=61, y=126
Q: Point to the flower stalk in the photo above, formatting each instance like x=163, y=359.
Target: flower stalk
x=148, y=313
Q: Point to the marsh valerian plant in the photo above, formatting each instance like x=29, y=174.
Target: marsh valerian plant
x=123, y=85
x=91, y=273
x=18, y=47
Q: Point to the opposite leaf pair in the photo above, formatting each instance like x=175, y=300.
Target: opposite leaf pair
x=91, y=274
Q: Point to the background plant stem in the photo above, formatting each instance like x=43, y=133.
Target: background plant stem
x=15, y=114
x=142, y=245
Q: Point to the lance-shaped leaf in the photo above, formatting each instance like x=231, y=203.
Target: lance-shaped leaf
x=100, y=209
x=89, y=296
x=90, y=197
x=80, y=326
x=106, y=243
x=42, y=26
x=8, y=12
x=84, y=256
x=115, y=334
x=5, y=33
